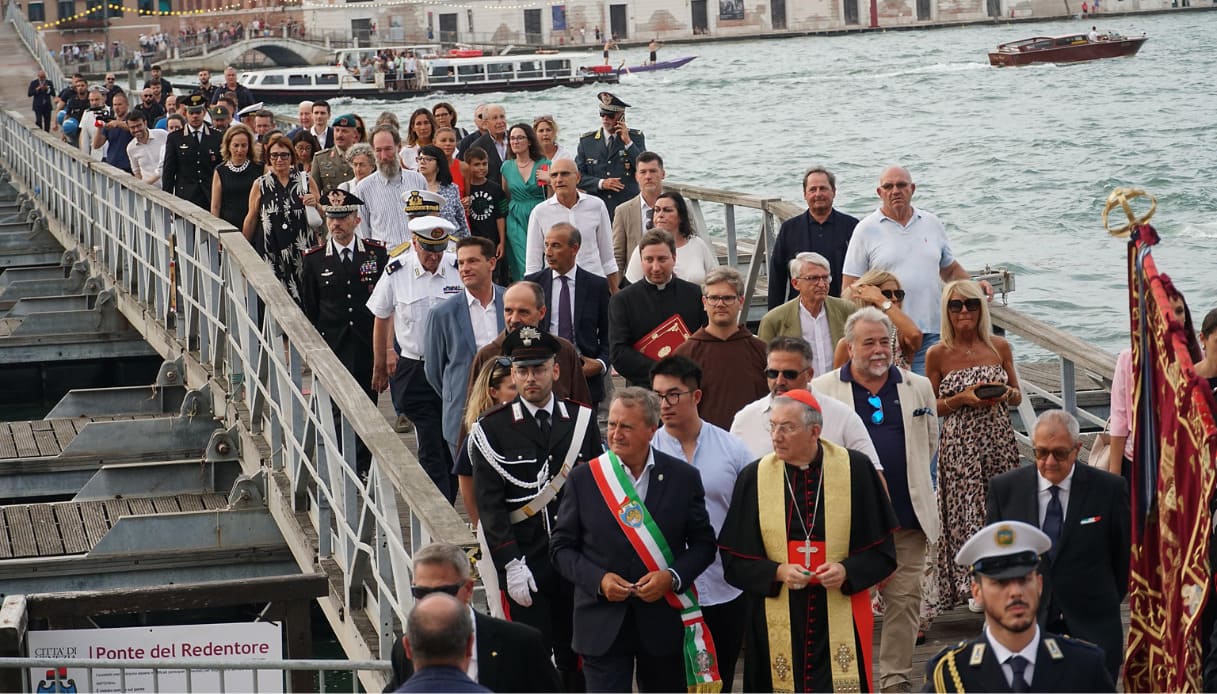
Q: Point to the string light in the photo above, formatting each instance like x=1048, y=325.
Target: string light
x=93, y=11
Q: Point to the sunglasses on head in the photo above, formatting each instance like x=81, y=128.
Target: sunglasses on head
x=504, y=362
x=893, y=294
x=420, y=592
x=955, y=305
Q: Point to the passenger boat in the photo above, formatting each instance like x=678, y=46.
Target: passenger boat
x=661, y=65
x=1065, y=49
x=461, y=71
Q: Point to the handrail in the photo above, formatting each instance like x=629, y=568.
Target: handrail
x=194, y=288
x=32, y=38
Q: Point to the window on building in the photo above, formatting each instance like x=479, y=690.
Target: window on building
x=67, y=8
x=36, y=12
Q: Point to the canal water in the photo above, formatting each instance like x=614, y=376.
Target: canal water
x=1016, y=161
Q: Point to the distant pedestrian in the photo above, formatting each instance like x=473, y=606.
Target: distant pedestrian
x=653, y=47
x=42, y=90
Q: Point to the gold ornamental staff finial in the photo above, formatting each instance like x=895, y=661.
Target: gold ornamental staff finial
x=1122, y=197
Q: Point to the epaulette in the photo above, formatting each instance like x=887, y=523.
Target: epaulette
x=374, y=243
x=1054, y=649
x=398, y=250
x=589, y=133
x=314, y=249
x=496, y=408
x=635, y=132
x=944, y=664
x=392, y=267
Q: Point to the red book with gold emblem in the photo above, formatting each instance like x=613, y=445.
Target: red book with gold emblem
x=664, y=339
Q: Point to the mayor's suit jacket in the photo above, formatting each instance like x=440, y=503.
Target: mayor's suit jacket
x=627, y=230
x=590, y=317
x=587, y=542
x=448, y=353
x=784, y=320
x=920, y=422
x=511, y=657
x=1088, y=578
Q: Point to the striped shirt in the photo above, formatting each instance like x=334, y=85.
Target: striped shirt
x=384, y=213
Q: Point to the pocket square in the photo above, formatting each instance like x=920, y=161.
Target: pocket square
x=1092, y=519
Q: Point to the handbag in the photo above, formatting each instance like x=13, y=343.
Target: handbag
x=1100, y=451
x=315, y=222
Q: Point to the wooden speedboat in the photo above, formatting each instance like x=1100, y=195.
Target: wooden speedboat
x=1065, y=49
x=660, y=65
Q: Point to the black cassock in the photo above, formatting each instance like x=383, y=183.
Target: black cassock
x=872, y=557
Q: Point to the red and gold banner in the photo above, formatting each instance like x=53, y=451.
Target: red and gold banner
x=1173, y=480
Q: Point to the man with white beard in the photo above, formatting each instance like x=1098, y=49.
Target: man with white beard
x=384, y=217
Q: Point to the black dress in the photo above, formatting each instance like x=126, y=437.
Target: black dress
x=234, y=195
x=284, y=226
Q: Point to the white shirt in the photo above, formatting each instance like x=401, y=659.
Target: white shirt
x=643, y=483
x=534, y=409
x=1003, y=654
x=485, y=319
x=842, y=426
x=146, y=158
x=815, y=331
x=472, y=669
x=320, y=136
x=384, y=217
x=590, y=216
x=1045, y=495
x=408, y=294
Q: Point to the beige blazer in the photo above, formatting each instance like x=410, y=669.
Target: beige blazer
x=627, y=230
x=784, y=320
x=920, y=437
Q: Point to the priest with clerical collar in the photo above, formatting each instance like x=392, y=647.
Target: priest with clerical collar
x=808, y=532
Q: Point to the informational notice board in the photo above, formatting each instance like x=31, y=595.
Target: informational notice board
x=217, y=642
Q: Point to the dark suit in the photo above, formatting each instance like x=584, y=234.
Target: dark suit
x=588, y=542
x=803, y=233
x=519, y=449
x=1075, y=666
x=599, y=158
x=42, y=92
x=190, y=164
x=441, y=678
x=1088, y=578
x=590, y=320
x=511, y=657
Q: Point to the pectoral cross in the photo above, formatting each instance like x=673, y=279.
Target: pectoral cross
x=806, y=550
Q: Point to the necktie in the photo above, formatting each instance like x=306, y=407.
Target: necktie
x=1019, y=665
x=543, y=423
x=1054, y=518
x=198, y=135
x=650, y=218
x=566, y=330
x=346, y=258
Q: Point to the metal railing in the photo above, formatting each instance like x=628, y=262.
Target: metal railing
x=195, y=289
x=180, y=674
x=32, y=38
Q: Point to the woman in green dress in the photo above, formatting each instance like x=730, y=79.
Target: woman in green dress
x=526, y=183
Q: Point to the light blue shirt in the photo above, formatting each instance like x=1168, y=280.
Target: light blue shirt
x=719, y=458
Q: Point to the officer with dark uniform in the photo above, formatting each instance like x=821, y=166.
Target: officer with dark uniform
x=608, y=156
x=521, y=453
x=221, y=119
x=191, y=155
x=338, y=279
x=330, y=165
x=1013, y=654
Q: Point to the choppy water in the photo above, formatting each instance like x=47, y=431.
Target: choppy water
x=1017, y=161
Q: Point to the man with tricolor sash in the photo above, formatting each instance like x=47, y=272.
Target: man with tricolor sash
x=633, y=535
x=808, y=532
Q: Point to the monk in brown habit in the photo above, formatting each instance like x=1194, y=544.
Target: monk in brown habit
x=808, y=532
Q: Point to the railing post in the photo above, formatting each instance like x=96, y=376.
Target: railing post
x=13, y=621
x=732, y=252
x=1069, y=393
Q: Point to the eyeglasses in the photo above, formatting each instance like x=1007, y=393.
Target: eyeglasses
x=672, y=398
x=719, y=298
x=420, y=592
x=893, y=294
x=421, y=159
x=955, y=305
x=280, y=155
x=783, y=428
x=901, y=185
x=816, y=279
x=876, y=417
x=518, y=138
x=1061, y=454
x=788, y=374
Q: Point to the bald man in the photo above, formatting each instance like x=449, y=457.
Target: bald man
x=586, y=212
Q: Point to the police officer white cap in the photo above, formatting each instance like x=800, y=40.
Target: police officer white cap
x=432, y=232
x=1006, y=549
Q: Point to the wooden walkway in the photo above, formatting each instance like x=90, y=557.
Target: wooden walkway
x=48, y=437
x=75, y=527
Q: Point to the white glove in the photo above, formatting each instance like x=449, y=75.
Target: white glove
x=520, y=583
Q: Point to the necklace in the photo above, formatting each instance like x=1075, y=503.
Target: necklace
x=806, y=550
x=237, y=169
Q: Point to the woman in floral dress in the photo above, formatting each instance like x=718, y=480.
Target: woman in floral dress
x=277, y=204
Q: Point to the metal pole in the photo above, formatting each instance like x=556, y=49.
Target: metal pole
x=105, y=17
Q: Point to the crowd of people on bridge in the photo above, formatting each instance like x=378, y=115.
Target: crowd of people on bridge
x=855, y=459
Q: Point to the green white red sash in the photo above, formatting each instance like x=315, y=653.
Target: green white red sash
x=617, y=490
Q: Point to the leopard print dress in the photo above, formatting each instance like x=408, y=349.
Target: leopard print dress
x=976, y=444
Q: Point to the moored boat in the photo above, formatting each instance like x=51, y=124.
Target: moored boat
x=1065, y=49
x=660, y=65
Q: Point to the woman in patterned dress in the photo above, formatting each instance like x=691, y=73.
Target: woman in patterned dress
x=433, y=165
x=277, y=205
x=977, y=440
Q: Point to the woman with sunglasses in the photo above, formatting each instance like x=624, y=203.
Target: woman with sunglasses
x=972, y=371
x=881, y=289
x=433, y=165
x=276, y=214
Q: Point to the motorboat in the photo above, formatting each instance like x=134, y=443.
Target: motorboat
x=660, y=65
x=1065, y=49
x=458, y=72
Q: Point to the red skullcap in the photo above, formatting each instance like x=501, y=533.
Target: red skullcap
x=804, y=397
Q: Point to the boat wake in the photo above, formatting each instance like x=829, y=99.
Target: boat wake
x=936, y=68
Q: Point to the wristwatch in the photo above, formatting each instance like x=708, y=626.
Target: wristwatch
x=886, y=305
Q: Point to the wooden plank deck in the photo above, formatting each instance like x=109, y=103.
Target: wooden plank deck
x=74, y=527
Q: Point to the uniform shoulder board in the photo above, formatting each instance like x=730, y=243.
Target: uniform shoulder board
x=398, y=250
x=589, y=133
x=373, y=243
x=635, y=132
x=1068, y=642
x=943, y=666
x=314, y=249
x=392, y=267
x=496, y=409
